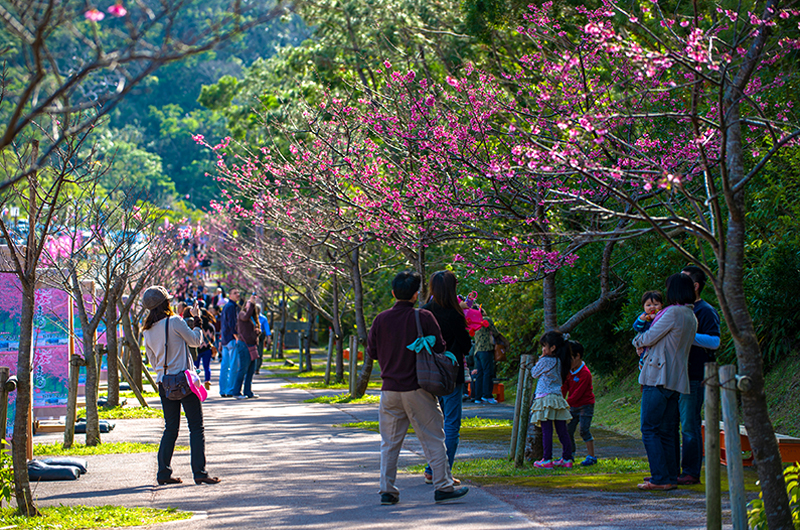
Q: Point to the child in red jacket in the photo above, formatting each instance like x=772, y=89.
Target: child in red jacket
x=577, y=389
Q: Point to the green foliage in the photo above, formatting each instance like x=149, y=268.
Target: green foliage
x=113, y=448
x=6, y=473
x=80, y=517
x=757, y=516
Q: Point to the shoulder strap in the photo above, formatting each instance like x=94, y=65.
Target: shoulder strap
x=419, y=326
x=166, y=344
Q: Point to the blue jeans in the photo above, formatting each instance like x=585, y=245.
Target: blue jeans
x=581, y=416
x=172, y=421
x=451, y=407
x=691, y=406
x=242, y=355
x=227, y=371
x=204, y=357
x=484, y=363
x=660, y=420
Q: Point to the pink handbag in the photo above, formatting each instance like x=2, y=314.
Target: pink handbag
x=195, y=384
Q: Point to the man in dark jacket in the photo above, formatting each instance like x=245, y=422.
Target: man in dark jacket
x=691, y=405
x=402, y=399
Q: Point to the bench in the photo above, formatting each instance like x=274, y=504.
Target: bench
x=788, y=446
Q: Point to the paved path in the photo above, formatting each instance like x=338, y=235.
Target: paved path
x=284, y=465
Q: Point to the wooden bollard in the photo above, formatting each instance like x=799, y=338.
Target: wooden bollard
x=713, y=488
x=524, y=416
x=733, y=447
x=517, y=407
x=329, y=358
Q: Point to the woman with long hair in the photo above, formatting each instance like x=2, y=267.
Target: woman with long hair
x=449, y=314
x=168, y=354
x=664, y=376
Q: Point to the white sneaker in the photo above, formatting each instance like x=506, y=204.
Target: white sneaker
x=491, y=401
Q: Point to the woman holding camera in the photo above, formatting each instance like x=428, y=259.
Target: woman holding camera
x=167, y=338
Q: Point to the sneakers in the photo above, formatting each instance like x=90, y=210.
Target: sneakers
x=543, y=464
x=253, y=396
x=441, y=497
x=589, y=461
x=389, y=498
x=563, y=463
x=240, y=397
x=687, y=480
x=490, y=401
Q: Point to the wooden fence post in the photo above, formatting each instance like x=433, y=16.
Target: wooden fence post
x=300, y=337
x=329, y=358
x=733, y=446
x=353, y=364
x=7, y=384
x=524, y=413
x=517, y=407
x=713, y=493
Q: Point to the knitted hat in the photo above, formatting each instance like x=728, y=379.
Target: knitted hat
x=154, y=296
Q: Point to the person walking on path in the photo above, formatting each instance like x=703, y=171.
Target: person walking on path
x=706, y=340
x=166, y=338
x=246, y=350
x=483, y=377
x=664, y=377
x=402, y=399
x=449, y=315
x=264, y=338
x=228, y=338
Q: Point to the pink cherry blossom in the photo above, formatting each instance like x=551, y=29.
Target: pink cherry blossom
x=94, y=15
x=117, y=10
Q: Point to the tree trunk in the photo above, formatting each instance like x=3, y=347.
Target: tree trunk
x=549, y=299
x=748, y=352
x=310, y=333
x=361, y=324
x=135, y=365
x=113, y=349
x=19, y=452
x=337, y=331
x=92, y=417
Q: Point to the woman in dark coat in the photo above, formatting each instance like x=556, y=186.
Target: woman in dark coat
x=445, y=307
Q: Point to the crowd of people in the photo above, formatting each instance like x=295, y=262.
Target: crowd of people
x=676, y=334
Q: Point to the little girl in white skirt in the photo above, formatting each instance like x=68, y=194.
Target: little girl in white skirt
x=549, y=405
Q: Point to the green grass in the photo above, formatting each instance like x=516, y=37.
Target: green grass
x=783, y=396
x=502, y=467
x=332, y=386
x=344, y=398
x=113, y=448
x=466, y=423
x=128, y=394
x=125, y=413
x=79, y=517
x=618, y=403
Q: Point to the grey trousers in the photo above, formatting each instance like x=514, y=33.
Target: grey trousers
x=420, y=409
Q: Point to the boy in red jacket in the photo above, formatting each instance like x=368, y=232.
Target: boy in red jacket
x=577, y=389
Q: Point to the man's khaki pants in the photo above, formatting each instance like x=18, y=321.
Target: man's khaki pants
x=421, y=409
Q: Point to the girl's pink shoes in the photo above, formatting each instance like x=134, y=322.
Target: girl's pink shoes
x=543, y=464
x=563, y=463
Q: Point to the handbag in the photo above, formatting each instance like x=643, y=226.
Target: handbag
x=437, y=373
x=176, y=387
x=500, y=347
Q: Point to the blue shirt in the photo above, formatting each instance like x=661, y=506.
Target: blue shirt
x=264, y=325
x=230, y=315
